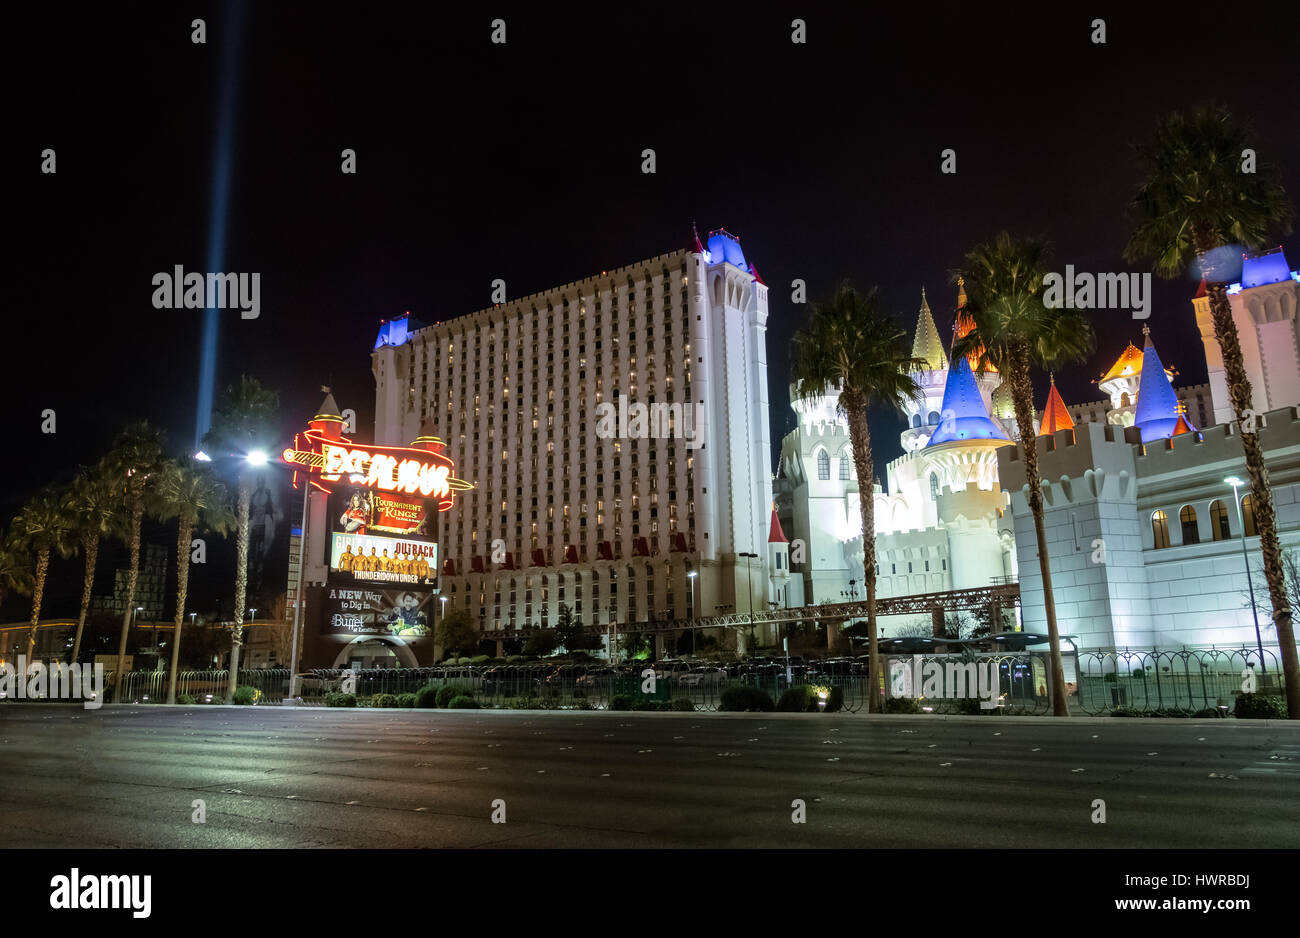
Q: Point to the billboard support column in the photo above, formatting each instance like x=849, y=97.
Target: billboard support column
x=298, y=598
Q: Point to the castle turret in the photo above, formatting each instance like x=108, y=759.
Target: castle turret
x=1159, y=412
x=923, y=412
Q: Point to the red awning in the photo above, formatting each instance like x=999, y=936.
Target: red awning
x=449, y=567
x=571, y=554
x=539, y=557
x=605, y=551
x=476, y=564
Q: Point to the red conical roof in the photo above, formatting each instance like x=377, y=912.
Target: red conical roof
x=776, y=535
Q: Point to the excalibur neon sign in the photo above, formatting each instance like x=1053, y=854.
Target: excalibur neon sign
x=418, y=469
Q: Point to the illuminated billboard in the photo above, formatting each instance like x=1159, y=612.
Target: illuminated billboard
x=375, y=559
x=327, y=460
x=375, y=611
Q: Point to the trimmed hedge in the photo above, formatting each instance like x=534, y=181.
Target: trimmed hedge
x=622, y=702
x=383, y=701
x=1259, y=707
x=245, y=695
x=186, y=699
x=426, y=698
x=683, y=705
x=835, y=702
x=902, y=705
x=794, y=700
x=406, y=701
x=448, y=692
x=745, y=699
x=462, y=702
x=340, y=699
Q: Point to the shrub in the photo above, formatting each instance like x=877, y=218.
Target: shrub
x=835, y=701
x=683, y=704
x=406, y=701
x=902, y=705
x=1124, y=712
x=186, y=699
x=462, y=660
x=463, y=702
x=743, y=698
x=1211, y=712
x=1259, y=707
x=245, y=695
x=384, y=701
x=426, y=698
x=447, y=692
x=793, y=700
x=655, y=705
x=340, y=699
x=480, y=659
x=622, y=702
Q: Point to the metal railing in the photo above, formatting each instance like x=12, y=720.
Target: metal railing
x=1188, y=681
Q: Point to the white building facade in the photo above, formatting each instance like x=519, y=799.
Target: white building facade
x=1144, y=537
x=578, y=502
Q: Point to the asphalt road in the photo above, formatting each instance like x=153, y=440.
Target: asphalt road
x=297, y=777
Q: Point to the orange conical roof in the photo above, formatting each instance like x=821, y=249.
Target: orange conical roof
x=1127, y=365
x=1055, y=416
x=963, y=324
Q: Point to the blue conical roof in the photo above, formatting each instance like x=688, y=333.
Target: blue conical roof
x=1157, y=405
x=964, y=416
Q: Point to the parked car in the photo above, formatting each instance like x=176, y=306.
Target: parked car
x=702, y=677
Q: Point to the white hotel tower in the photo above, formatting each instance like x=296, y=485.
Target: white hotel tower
x=610, y=527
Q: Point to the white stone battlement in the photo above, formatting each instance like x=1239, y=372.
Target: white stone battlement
x=1277, y=429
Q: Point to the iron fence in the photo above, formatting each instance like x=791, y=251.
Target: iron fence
x=1188, y=681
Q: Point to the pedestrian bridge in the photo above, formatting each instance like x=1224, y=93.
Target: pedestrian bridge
x=996, y=597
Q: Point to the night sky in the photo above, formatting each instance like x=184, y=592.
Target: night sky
x=522, y=161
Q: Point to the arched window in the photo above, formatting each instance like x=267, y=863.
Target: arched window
x=1160, y=528
x=916, y=420
x=1219, y=521
x=846, y=464
x=933, y=419
x=1187, y=518
x=934, y=486
x=1248, y=515
x=823, y=464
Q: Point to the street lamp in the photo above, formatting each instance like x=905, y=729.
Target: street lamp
x=691, y=575
x=256, y=458
x=1241, y=521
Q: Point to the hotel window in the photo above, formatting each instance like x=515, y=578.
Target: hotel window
x=1219, y=521
x=1187, y=518
x=1248, y=515
x=1160, y=529
x=823, y=465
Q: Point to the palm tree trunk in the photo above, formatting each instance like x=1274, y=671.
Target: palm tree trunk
x=133, y=575
x=1240, y=394
x=1022, y=395
x=90, y=547
x=241, y=584
x=38, y=591
x=860, y=440
x=183, y=532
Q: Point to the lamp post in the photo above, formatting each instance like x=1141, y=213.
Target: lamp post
x=1250, y=586
x=691, y=575
x=749, y=586
x=613, y=630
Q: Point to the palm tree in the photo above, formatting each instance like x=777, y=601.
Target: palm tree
x=133, y=465
x=190, y=494
x=15, y=567
x=42, y=528
x=243, y=422
x=851, y=346
x=1193, y=204
x=94, y=510
x=1013, y=331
